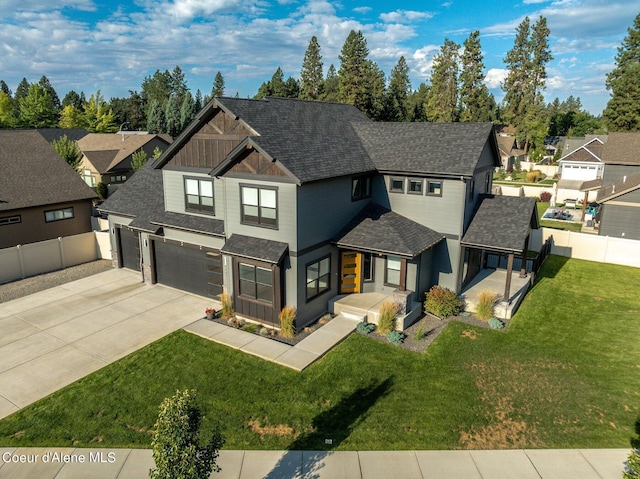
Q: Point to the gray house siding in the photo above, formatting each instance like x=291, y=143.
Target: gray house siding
x=174, y=199
x=620, y=220
x=113, y=221
x=193, y=238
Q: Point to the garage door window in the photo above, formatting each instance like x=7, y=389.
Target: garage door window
x=256, y=282
x=198, y=195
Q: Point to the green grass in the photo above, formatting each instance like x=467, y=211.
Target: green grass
x=558, y=225
x=565, y=374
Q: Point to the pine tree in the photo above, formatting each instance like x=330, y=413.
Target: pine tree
x=155, y=119
x=46, y=84
x=172, y=117
x=353, y=72
x=396, y=106
x=37, y=109
x=4, y=88
x=187, y=111
x=474, y=94
x=218, y=86
x=311, y=77
x=198, y=101
x=73, y=98
x=416, y=104
x=177, y=83
x=442, y=102
x=622, y=112
x=331, y=85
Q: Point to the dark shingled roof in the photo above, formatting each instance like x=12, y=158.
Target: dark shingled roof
x=141, y=198
x=609, y=192
x=255, y=248
x=33, y=174
x=502, y=223
x=101, y=159
x=428, y=148
x=379, y=230
x=622, y=149
x=591, y=185
x=51, y=134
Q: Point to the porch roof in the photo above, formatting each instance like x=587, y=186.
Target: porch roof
x=259, y=249
x=378, y=230
x=502, y=223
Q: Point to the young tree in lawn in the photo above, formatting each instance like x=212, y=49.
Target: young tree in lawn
x=68, y=150
x=475, y=99
x=311, y=76
x=622, y=112
x=442, y=101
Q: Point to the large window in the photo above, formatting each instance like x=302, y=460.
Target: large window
x=259, y=205
x=57, y=215
x=198, y=195
x=360, y=187
x=318, y=275
x=256, y=282
x=392, y=271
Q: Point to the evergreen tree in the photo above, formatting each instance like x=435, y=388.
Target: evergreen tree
x=187, y=111
x=21, y=92
x=68, y=150
x=198, y=101
x=354, y=71
x=416, y=104
x=311, y=77
x=4, y=88
x=157, y=87
x=622, y=112
x=73, y=98
x=173, y=117
x=130, y=110
x=374, y=106
x=155, y=119
x=218, y=86
x=396, y=99
x=331, y=85
x=46, y=84
x=474, y=94
x=37, y=109
x=277, y=85
x=442, y=101
x=291, y=88
x=177, y=83
x=98, y=117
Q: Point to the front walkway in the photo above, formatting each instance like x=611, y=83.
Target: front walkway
x=506, y=464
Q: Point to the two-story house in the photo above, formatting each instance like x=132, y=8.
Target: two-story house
x=288, y=202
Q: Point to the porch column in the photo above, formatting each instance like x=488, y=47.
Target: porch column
x=584, y=205
x=523, y=268
x=507, y=286
x=403, y=275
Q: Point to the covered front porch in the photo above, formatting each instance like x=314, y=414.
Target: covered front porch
x=495, y=280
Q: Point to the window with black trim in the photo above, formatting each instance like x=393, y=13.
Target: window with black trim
x=118, y=178
x=259, y=205
x=434, y=188
x=367, y=267
x=10, y=220
x=360, y=187
x=256, y=282
x=198, y=195
x=318, y=277
x=58, y=215
x=415, y=186
x=472, y=187
x=396, y=185
x=392, y=271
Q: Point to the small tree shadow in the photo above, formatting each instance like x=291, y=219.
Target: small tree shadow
x=329, y=429
x=635, y=441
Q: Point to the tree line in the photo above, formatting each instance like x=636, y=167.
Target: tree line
x=454, y=92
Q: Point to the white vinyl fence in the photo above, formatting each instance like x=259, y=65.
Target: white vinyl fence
x=31, y=259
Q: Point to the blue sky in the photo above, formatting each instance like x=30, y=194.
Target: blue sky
x=111, y=46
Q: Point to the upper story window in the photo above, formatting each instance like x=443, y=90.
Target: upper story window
x=118, y=178
x=198, y=195
x=415, y=186
x=57, y=215
x=259, y=205
x=88, y=178
x=360, y=187
x=434, y=188
x=396, y=185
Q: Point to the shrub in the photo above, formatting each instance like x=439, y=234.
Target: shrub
x=227, y=306
x=419, y=333
x=533, y=176
x=495, y=323
x=486, y=300
x=545, y=197
x=287, y=319
x=176, y=441
x=365, y=328
x=264, y=332
x=395, y=337
x=387, y=317
x=632, y=465
x=442, y=302
x=102, y=190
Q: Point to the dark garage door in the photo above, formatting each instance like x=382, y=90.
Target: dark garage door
x=129, y=249
x=188, y=268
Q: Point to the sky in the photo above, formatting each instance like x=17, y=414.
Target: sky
x=111, y=46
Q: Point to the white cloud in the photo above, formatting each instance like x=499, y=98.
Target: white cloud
x=495, y=77
x=403, y=16
x=423, y=60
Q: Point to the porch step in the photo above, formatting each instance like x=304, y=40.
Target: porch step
x=352, y=315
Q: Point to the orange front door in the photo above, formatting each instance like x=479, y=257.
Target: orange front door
x=350, y=271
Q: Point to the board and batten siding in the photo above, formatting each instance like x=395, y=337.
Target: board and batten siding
x=174, y=200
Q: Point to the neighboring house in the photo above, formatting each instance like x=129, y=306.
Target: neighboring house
x=509, y=151
x=581, y=172
x=619, y=197
x=73, y=134
x=41, y=197
x=288, y=202
x=106, y=157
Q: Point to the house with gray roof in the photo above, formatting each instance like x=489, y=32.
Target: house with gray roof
x=288, y=202
x=41, y=196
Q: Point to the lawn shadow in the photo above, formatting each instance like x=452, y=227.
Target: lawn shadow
x=635, y=441
x=551, y=266
x=329, y=429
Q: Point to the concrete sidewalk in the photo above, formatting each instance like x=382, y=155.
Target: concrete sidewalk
x=297, y=357
x=47, y=463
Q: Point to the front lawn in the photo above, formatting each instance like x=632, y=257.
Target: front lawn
x=565, y=374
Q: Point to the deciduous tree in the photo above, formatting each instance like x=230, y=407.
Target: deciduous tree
x=68, y=150
x=37, y=109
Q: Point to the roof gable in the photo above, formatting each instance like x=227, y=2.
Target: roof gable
x=614, y=190
x=116, y=147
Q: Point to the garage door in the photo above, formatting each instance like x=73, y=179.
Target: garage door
x=129, y=249
x=188, y=268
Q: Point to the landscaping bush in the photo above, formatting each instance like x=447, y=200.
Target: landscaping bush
x=365, y=328
x=534, y=176
x=176, y=440
x=545, y=197
x=287, y=322
x=442, y=302
x=387, y=317
x=486, y=300
x=495, y=323
x=395, y=337
x=102, y=190
x=227, y=306
x=632, y=465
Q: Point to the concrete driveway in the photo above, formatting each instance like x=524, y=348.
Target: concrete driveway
x=55, y=337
